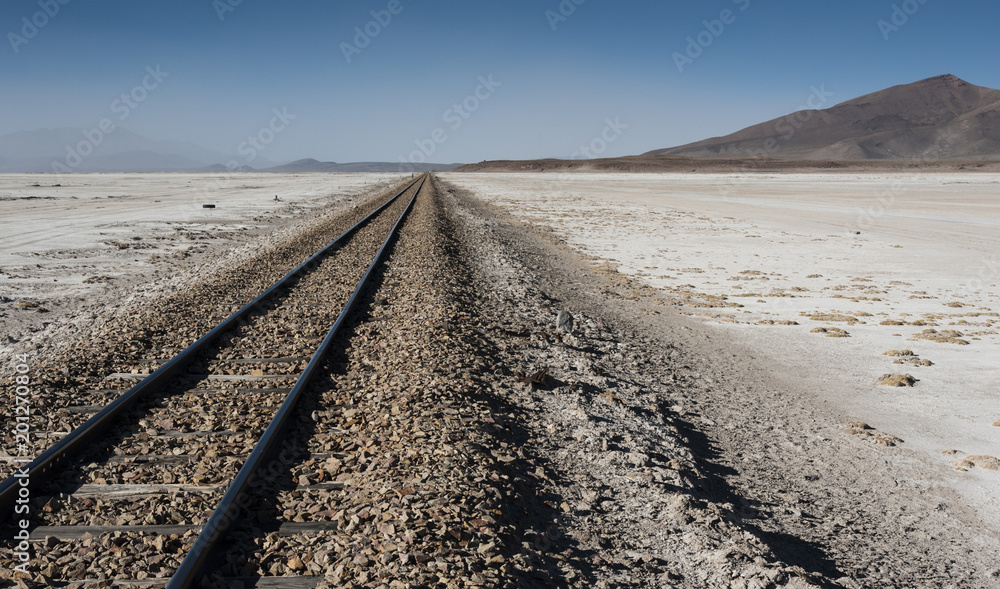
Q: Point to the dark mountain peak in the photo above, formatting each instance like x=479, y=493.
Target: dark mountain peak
x=946, y=79
x=937, y=87
x=943, y=117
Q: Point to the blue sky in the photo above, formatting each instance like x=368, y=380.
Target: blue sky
x=557, y=73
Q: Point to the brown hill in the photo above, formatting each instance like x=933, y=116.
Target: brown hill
x=942, y=118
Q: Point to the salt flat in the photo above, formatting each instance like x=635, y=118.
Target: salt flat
x=75, y=239
x=771, y=259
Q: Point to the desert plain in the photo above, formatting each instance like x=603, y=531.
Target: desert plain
x=901, y=270
x=74, y=242
x=772, y=312
x=836, y=280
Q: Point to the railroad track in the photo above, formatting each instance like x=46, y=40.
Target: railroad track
x=146, y=489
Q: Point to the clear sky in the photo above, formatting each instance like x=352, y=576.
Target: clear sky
x=556, y=72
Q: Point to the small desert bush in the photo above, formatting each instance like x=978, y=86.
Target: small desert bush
x=897, y=380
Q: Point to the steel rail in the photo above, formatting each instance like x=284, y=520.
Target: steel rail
x=237, y=495
x=97, y=424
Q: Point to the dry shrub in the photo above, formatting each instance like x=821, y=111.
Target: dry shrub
x=874, y=436
x=849, y=319
x=914, y=361
x=948, y=336
x=886, y=440
x=984, y=462
x=831, y=331
x=897, y=380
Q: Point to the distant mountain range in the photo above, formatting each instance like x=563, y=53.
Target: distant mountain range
x=941, y=118
x=77, y=150
x=311, y=165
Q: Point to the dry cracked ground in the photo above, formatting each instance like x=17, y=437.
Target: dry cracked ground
x=507, y=415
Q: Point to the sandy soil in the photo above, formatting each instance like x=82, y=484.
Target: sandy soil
x=69, y=243
x=883, y=258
